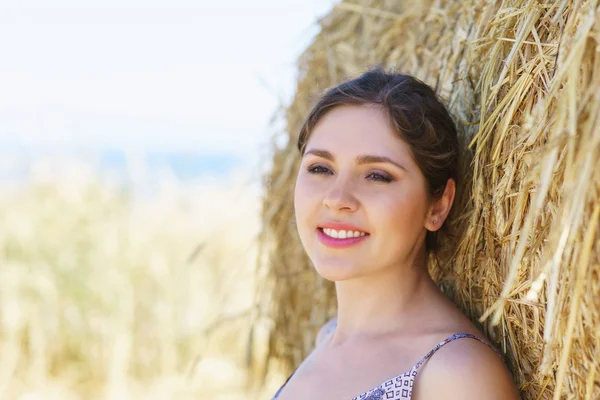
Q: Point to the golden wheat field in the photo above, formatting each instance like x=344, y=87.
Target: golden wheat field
x=107, y=296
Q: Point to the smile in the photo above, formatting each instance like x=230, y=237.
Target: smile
x=342, y=234
x=337, y=238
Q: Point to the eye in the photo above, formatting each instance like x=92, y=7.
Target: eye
x=319, y=169
x=380, y=177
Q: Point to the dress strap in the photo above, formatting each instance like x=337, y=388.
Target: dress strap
x=450, y=339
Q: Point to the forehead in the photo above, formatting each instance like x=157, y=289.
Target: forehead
x=357, y=130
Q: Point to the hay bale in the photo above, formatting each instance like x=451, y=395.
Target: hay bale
x=523, y=81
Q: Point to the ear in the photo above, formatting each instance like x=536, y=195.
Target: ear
x=439, y=209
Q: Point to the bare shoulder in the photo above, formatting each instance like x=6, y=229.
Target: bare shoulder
x=465, y=369
x=327, y=328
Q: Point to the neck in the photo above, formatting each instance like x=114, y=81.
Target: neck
x=381, y=303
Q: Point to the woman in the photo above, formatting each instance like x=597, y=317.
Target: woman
x=376, y=183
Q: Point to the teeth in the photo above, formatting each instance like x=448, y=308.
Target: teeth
x=342, y=234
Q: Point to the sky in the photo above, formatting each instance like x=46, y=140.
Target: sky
x=176, y=75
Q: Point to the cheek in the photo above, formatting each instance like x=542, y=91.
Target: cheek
x=305, y=210
x=303, y=196
x=400, y=214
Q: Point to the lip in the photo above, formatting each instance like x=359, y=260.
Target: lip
x=337, y=243
x=338, y=226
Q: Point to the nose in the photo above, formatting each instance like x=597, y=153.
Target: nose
x=341, y=196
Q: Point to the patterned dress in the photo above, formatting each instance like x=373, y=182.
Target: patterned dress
x=400, y=387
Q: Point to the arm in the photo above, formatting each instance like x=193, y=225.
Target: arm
x=465, y=370
x=325, y=330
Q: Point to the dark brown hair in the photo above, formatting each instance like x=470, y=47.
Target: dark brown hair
x=416, y=114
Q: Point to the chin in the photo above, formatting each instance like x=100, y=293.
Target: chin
x=336, y=271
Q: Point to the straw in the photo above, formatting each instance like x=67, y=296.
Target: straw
x=522, y=79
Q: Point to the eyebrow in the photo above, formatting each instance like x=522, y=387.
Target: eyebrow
x=362, y=159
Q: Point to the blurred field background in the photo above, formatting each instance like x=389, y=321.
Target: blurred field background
x=109, y=294
x=133, y=136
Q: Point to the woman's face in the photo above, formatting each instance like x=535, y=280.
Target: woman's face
x=360, y=200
